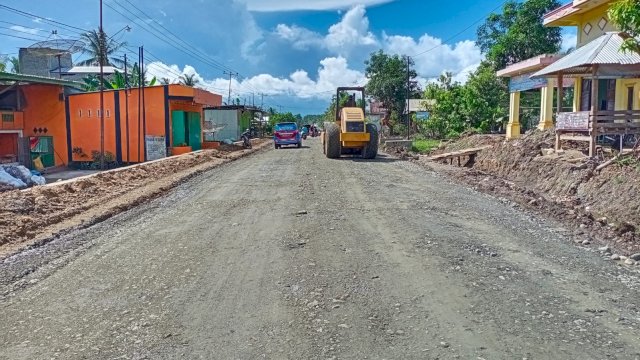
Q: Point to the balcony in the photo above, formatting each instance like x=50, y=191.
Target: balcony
x=11, y=120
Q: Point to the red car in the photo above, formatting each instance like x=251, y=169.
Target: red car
x=286, y=134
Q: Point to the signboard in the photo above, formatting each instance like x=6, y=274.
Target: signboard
x=422, y=116
x=573, y=121
x=156, y=147
x=524, y=82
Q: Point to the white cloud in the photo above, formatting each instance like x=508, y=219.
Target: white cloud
x=351, y=36
x=23, y=29
x=288, y=5
x=432, y=57
x=351, y=33
x=333, y=72
x=569, y=41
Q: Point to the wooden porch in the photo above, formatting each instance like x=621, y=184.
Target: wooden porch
x=588, y=125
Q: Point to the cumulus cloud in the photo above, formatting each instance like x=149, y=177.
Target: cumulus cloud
x=432, y=57
x=288, y=5
x=332, y=72
x=351, y=37
x=351, y=34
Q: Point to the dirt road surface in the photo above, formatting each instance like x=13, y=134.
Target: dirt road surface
x=289, y=255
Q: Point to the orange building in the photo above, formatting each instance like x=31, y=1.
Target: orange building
x=32, y=123
x=172, y=116
x=54, y=121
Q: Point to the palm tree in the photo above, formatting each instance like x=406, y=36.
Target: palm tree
x=92, y=40
x=15, y=65
x=189, y=80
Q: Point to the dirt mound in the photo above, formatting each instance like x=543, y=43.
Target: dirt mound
x=25, y=215
x=603, y=204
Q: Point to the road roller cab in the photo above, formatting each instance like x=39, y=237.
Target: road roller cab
x=349, y=133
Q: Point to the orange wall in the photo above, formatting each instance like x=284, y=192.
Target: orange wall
x=42, y=108
x=8, y=144
x=85, y=130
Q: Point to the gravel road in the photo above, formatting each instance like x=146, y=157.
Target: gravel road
x=289, y=255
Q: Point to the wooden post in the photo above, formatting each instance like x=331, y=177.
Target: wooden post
x=560, y=94
x=593, y=133
x=559, y=106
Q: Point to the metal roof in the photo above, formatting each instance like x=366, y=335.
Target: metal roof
x=92, y=70
x=5, y=76
x=603, y=51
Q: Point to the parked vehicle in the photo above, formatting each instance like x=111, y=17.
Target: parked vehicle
x=286, y=134
x=246, y=139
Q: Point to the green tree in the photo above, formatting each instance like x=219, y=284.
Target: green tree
x=517, y=33
x=486, y=98
x=281, y=117
x=189, y=80
x=93, y=40
x=15, y=65
x=626, y=15
x=446, y=111
x=3, y=65
x=387, y=76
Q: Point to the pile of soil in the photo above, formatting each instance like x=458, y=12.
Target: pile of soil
x=38, y=213
x=602, y=205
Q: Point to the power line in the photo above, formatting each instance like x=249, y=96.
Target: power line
x=44, y=19
x=20, y=37
x=164, y=39
x=443, y=43
x=178, y=39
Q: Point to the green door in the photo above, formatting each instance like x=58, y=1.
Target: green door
x=195, y=131
x=178, y=128
x=42, y=147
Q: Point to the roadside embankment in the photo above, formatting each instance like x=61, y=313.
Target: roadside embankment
x=600, y=204
x=38, y=214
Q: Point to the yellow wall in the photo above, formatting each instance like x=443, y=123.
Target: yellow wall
x=592, y=17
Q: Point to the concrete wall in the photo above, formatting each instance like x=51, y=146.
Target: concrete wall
x=228, y=118
x=40, y=62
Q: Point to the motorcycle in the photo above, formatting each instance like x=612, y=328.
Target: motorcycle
x=246, y=139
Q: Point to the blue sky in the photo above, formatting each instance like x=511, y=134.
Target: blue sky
x=294, y=52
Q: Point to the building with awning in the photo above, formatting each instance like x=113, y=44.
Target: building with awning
x=605, y=80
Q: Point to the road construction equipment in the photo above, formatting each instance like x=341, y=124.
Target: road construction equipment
x=349, y=133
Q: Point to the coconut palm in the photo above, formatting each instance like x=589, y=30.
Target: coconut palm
x=15, y=65
x=189, y=80
x=92, y=40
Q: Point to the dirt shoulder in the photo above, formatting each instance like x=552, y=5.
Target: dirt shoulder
x=601, y=206
x=40, y=214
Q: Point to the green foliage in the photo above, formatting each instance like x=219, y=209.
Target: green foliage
x=189, y=80
x=281, y=117
x=15, y=65
x=387, y=76
x=446, y=113
x=626, y=15
x=424, y=145
x=312, y=119
x=93, y=41
x=486, y=99
x=517, y=33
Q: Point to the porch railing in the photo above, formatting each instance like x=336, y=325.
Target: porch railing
x=604, y=122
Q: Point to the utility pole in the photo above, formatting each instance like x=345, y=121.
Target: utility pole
x=101, y=57
x=126, y=102
x=408, y=87
x=262, y=101
x=231, y=75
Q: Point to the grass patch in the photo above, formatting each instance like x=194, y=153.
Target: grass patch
x=423, y=146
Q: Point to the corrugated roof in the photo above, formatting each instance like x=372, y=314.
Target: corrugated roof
x=92, y=70
x=5, y=76
x=604, y=50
